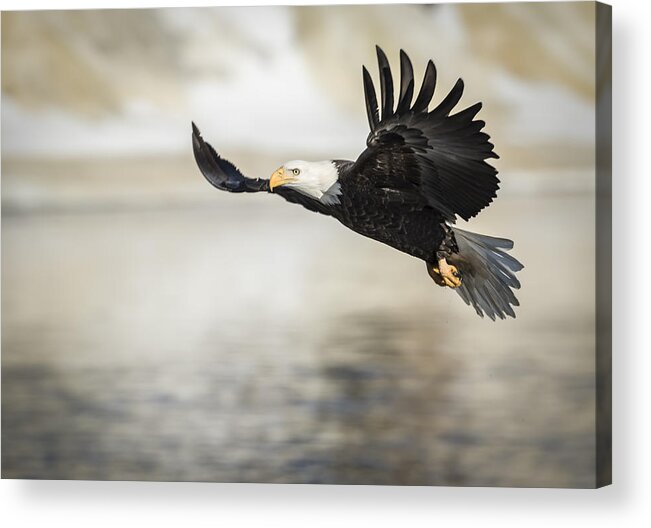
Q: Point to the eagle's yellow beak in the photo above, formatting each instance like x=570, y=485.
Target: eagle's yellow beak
x=279, y=178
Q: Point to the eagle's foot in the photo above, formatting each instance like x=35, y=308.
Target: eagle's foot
x=446, y=274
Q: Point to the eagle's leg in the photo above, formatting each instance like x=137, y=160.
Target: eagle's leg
x=445, y=274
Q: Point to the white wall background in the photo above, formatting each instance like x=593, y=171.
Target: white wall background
x=104, y=504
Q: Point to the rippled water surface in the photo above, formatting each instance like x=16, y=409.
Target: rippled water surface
x=249, y=340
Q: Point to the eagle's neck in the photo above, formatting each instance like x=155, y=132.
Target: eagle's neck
x=319, y=180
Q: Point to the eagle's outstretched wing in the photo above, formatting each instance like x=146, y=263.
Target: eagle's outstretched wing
x=432, y=153
x=220, y=172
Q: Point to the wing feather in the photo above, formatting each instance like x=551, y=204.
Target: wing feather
x=426, y=90
x=450, y=101
x=386, y=84
x=406, y=84
x=371, y=100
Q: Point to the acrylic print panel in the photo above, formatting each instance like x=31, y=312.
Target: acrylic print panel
x=158, y=327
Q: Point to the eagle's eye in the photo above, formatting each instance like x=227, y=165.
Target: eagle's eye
x=296, y=172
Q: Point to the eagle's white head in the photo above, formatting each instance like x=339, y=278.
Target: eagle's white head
x=317, y=179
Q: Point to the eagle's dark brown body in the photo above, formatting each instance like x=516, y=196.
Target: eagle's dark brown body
x=416, y=231
x=393, y=218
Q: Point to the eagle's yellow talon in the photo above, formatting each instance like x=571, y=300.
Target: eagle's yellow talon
x=436, y=276
x=449, y=274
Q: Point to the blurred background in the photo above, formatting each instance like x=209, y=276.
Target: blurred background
x=155, y=328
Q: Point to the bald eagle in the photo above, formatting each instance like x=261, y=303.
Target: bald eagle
x=421, y=170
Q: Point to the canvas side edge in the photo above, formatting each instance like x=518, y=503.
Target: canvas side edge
x=603, y=169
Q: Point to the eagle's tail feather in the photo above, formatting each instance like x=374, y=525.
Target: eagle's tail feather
x=487, y=273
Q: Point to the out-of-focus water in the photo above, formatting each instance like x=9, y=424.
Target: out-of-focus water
x=250, y=340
